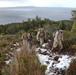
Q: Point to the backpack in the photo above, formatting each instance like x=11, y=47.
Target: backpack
x=42, y=35
x=54, y=34
x=25, y=37
x=29, y=37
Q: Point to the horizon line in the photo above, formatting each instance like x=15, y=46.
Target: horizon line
x=36, y=6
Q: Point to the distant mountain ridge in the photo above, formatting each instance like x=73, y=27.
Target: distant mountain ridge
x=24, y=7
x=20, y=7
x=38, y=7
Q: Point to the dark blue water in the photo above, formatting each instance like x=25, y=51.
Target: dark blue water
x=10, y=15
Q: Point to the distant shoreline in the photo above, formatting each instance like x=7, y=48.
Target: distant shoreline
x=37, y=7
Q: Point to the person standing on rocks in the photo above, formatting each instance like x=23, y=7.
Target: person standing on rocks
x=41, y=36
x=24, y=38
x=27, y=40
x=30, y=38
x=58, y=39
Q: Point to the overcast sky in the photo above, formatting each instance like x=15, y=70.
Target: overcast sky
x=38, y=3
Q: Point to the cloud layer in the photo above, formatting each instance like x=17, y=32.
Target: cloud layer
x=39, y=3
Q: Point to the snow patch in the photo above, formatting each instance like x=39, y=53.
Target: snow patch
x=19, y=49
x=44, y=44
x=8, y=61
x=53, y=65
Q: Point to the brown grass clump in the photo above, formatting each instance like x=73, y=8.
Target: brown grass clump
x=72, y=69
x=25, y=63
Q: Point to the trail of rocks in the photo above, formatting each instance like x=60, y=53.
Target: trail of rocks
x=56, y=63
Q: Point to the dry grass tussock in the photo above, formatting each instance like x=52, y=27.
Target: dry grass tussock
x=25, y=63
x=72, y=68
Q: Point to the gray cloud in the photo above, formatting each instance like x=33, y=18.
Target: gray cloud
x=13, y=0
x=48, y=3
x=9, y=0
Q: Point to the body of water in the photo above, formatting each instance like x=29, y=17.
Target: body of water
x=18, y=14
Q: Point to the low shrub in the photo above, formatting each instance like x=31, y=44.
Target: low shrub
x=72, y=68
x=25, y=63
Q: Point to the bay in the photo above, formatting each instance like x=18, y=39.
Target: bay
x=19, y=14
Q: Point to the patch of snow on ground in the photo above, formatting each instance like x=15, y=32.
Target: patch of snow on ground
x=44, y=44
x=8, y=61
x=64, y=62
x=53, y=66
x=17, y=44
x=43, y=59
x=19, y=49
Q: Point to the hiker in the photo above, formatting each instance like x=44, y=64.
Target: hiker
x=27, y=40
x=30, y=38
x=24, y=38
x=58, y=38
x=41, y=36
